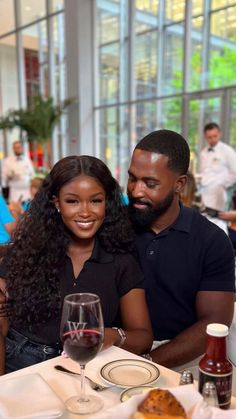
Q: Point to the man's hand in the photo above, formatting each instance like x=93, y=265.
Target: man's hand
x=211, y=307
x=4, y=325
x=5, y=309
x=15, y=209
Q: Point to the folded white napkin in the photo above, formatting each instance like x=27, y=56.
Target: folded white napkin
x=188, y=396
x=29, y=396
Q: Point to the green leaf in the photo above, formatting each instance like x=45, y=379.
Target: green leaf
x=39, y=120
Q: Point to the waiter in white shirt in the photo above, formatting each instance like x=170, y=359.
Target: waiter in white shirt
x=218, y=168
x=17, y=172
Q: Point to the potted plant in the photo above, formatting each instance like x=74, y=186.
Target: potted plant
x=39, y=120
x=36, y=121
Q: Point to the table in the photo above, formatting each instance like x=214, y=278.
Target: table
x=66, y=386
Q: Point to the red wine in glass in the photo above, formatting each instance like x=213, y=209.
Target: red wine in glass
x=82, y=345
x=82, y=333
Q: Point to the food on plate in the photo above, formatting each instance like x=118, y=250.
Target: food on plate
x=160, y=404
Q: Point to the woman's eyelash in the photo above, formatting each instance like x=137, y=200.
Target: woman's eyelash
x=73, y=201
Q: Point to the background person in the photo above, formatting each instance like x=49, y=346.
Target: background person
x=189, y=195
x=230, y=217
x=75, y=237
x=8, y=221
x=17, y=172
x=218, y=169
x=35, y=185
x=187, y=261
x=18, y=207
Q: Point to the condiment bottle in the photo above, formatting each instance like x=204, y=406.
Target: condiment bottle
x=214, y=366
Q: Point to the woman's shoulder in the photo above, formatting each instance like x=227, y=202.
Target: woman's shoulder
x=127, y=257
x=127, y=262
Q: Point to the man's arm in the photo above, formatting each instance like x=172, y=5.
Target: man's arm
x=211, y=307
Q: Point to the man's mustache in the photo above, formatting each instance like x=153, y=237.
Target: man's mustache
x=133, y=201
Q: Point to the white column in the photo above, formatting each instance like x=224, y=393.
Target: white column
x=55, y=152
x=79, y=52
x=20, y=63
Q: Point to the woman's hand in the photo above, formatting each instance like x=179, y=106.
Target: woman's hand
x=135, y=322
x=111, y=337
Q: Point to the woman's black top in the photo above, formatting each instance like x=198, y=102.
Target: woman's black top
x=110, y=276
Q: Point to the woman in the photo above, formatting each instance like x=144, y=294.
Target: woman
x=74, y=238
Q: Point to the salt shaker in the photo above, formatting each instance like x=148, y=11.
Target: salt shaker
x=186, y=377
x=209, y=393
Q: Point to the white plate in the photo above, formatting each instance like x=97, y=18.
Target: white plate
x=129, y=372
x=133, y=391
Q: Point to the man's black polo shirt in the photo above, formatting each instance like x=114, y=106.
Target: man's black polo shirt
x=191, y=255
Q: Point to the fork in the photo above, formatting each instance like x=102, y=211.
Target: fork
x=95, y=386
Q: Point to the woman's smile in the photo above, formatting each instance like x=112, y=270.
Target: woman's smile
x=85, y=224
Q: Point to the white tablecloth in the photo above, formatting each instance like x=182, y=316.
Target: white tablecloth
x=66, y=386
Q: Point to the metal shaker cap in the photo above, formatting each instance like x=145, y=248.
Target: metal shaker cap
x=209, y=393
x=186, y=377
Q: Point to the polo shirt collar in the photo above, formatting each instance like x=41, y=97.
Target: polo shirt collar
x=184, y=220
x=182, y=223
x=99, y=254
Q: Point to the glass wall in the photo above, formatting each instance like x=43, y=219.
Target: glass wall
x=9, y=98
x=156, y=58
x=156, y=64
x=32, y=62
x=7, y=20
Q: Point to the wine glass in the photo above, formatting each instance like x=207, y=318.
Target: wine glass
x=82, y=332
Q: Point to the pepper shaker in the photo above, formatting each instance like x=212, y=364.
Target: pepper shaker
x=186, y=377
x=209, y=393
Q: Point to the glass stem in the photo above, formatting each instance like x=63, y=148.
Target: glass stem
x=82, y=398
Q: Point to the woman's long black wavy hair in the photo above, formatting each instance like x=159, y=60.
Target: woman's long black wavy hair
x=41, y=240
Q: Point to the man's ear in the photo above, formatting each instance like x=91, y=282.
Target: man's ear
x=180, y=183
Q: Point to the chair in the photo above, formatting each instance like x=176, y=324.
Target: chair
x=230, y=194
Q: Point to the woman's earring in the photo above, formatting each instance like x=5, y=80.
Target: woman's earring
x=58, y=210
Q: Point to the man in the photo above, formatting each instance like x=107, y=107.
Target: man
x=187, y=261
x=217, y=167
x=17, y=172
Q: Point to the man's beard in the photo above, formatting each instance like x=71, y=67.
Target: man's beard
x=142, y=219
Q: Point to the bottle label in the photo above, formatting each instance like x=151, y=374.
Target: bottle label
x=223, y=383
